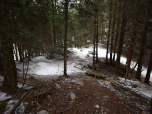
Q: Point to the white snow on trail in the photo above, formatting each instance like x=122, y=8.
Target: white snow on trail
x=42, y=66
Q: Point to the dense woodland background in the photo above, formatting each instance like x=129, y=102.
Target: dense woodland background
x=30, y=28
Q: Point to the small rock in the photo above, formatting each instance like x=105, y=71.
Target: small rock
x=97, y=106
x=72, y=95
x=57, y=86
x=105, y=97
x=43, y=112
x=106, y=83
x=48, y=96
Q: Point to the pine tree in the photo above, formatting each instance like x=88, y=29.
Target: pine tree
x=131, y=40
x=109, y=28
x=121, y=38
x=65, y=39
x=143, y=41
x=6, y=47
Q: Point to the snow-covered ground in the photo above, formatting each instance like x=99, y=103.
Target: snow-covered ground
x=45, y=67
x=82, y=53
x=42, y=67
x=142, y=88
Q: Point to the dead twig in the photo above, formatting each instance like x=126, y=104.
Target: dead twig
x=16, y=105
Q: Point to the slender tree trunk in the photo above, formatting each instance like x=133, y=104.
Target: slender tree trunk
x=65, y=39
x=109, y=31
x=149, y=69
x=97, y=42
x=143, y=43
x=112, y=37
x=29, y=52
x=130, y=45
x=54, y=27
x=20, y=53
x=117, y=32
x=131, y=53
x=94, y=42
x=16, y=54
x=121, y=39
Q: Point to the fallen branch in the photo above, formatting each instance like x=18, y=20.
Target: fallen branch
x=39, y=94
x=67, y=108
x=78, y=68
x=18, y=102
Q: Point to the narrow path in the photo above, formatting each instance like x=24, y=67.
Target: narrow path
x=89, y=97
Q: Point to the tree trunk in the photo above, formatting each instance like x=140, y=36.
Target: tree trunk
x=6, y=50
x=130, y=45
x=121, y=39
x=109, y=32
x=54, y=28
x=20, y=53
x=143, y=43
x=149, y=69
x=1, y=65
x=29, y=52
x=16, y=54
x=65, y=39
x=112, y=37
x=117, y=33
x=94, y=42
x=97, y=42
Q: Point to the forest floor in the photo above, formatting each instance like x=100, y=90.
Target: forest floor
x=77, y=92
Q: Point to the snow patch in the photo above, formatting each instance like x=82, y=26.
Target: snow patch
x=4, y=96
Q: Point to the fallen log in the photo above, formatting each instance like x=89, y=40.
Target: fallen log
x=95, y=75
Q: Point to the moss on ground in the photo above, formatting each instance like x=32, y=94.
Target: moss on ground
x=134, y=86
x=31, y=78
x=3, y=106
x=95, y=75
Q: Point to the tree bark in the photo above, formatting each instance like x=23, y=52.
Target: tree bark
x=149, y=69
x=6, y=50
x=109, y=32
x=65, y=39
x=54, y=27
x=97, y=42
x=143, y=42
x=1, y=65
x=130, y=44
x=20, y=53
x=94, y=42
x=112, y=37
x=16, y=54
x=117, y=33
x=121, y=39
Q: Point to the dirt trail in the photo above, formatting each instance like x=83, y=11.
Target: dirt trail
x=90, y=97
